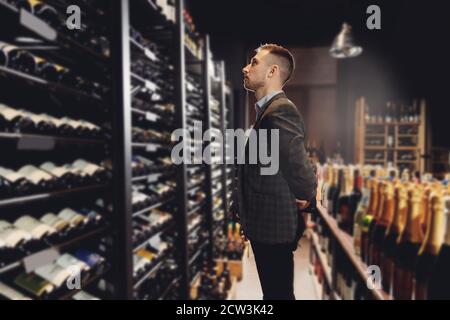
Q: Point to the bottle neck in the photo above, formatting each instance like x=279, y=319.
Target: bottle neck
x=447, y=219
x=435, y=233
x=399, y=211
x=381, y=196
x=412, y=232
x=358, y=184
x=373, y=198
x=387, y=214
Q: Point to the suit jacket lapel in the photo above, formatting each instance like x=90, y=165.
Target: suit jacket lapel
x=261, y=114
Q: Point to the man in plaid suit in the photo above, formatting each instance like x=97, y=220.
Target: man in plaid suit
x=270, y=206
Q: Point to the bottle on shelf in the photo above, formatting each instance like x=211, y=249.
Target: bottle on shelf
x=367, y=220
x=407, y=248
x=439, y=283
x=388, y=112
x=14, y=184
x=382, y=223
x=355, y=198
x=425, y=210
x=337, y=192
x=42, y=181
x=362, y=209
x=13, y=120
x=16, y=58
x=12, y=238
x=332, y=187
x=429, y=251
x=393, y=231
x=374, y=253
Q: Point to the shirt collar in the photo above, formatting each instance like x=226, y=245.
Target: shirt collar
x=260, y=104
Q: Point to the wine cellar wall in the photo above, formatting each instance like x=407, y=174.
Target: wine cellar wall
x=87, y=180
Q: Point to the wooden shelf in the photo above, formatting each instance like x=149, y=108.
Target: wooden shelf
x=375, y=135
x=408, y=148
x=374, y=161
x=322, y=259
x=317, y=286
x=375, y=148
x=346, y=243
x=392, y=123
x=397, y=131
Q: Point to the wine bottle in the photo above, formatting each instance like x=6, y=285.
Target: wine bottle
x=95, y=261
x=15, y=58
x=41, y=124
x=15, y=121
x=363, y=208
x=41, y=10
x=37, y=229
x=63, y=174
x=15, y=184
x=34, y=284
x=354, y=200
x=54, y=221
x=367, y=220
x=343, y=205
x=140, y=201
x=93, y=131
x=425, y=210
x=97, y=173
x=439, y=285
x=62, y=127
x=407, y=248
x=83, y=295
x=332, y=188
x=93, y=218
x=11, y=236
x=75, y=219
x=339, y=189
x=8, y=293
x=374, y=254
x=51, y=71
x=42, y=180
x=393, y=231
x=386, y=232
x=428, y=253
x=54, y=274
x=79, y=130
x=68, y=261
x=382, y=223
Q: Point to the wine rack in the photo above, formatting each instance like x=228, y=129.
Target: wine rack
x=218, y=173
x=228, y=117
x=340, y=274
x=199, y=174
x=398, y=138
x=106, y=99
x=55, y=132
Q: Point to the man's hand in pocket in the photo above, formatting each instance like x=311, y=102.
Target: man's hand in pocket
x=302, y=204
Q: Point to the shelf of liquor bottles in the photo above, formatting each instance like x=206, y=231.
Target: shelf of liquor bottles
x=395, y=134
x=383, y=235
x=56, y=172
x=172, y=84
x=88, y=151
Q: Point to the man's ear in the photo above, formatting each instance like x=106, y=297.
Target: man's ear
x=272, y=70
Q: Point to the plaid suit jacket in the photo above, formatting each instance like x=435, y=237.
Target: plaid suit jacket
x=266, y=204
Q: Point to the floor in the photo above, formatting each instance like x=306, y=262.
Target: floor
x=249, y=288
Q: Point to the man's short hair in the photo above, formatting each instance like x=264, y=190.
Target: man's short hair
x=286, y=57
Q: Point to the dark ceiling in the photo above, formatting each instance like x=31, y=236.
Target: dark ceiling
x=413, y=40
x=288, y=21
x=316, y=22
